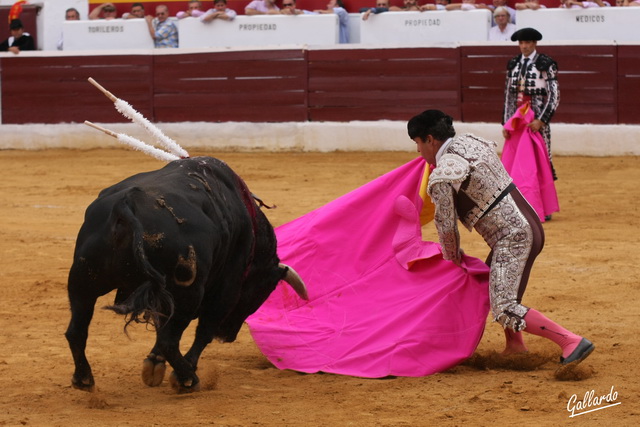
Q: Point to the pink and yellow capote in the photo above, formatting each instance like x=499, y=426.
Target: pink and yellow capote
x=381, y=300
x=525, y=158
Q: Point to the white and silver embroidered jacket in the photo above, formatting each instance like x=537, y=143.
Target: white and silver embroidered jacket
x=468, y=179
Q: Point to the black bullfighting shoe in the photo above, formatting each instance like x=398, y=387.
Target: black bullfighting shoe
x=584, y=349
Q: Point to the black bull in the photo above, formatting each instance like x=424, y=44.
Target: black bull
x=184, y=242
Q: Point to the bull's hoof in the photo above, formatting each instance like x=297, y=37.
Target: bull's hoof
x=188, y=386
x=84, y=384
x=153, y=369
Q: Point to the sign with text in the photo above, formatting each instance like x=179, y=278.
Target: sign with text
x=260, y=30
x=410, y=28
x=600, y=23
x=102, y=34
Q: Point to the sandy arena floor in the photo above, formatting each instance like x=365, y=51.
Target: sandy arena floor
x=586, y=278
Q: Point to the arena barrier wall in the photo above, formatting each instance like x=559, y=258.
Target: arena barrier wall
x=262, y=30
x=610, y=24
x=101, y=34
x=599, y=83
x=601, y=23
x=411, y=28
x=382, y=135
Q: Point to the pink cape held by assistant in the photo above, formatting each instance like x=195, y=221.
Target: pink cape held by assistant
x=525, y=158
x=381, y=301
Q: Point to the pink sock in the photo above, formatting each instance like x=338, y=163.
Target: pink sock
x=538, y=324
x=515, y=341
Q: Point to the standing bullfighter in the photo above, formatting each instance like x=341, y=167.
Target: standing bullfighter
x=532, y=77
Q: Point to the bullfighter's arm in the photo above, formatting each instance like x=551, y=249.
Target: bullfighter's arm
x=553, y=94
x=446, y=218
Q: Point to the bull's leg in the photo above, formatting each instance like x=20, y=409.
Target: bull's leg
x=204, y=336
x=154, y=368
x=184, y=378
x=77, y=333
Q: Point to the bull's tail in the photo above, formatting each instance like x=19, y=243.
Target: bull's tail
x=150, y=302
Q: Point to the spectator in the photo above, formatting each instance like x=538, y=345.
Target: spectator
x=381, y=6
x=439, y=5
x=289, y=8
x=530, y=4
x=337, y=7
x=194, y=9
x=19, y=39
x=632, y=3
x=503, y=29
x=262, y=7
x=70, y=14
x=137, y=12
x=466, y=5
x=573, y=4
x=104, y=11
x=219, y=11
x=409, y=6
x=503, y=3
x=163, y=32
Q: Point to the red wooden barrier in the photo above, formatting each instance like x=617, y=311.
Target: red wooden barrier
x=55, y=89
x=587, y=80
x=256, y=86
x=483, y=70
x=628, y=79
x=392, y=84
x=598, y=84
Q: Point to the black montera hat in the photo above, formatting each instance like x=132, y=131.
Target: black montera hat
x=526, y=34
x=15, y=24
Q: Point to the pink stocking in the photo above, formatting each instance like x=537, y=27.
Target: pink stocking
x=515, y=342
x=538, y=324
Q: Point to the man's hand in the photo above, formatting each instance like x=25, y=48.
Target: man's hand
x=536, y=125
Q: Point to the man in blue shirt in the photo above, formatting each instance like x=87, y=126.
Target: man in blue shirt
x=337, y=7
x=163, y=31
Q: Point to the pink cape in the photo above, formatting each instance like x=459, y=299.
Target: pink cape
x=381, y=301
x=525, y=158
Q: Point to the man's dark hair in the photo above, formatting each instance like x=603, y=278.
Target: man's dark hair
x=72, y=9
x=137, y=4
x=431, y=122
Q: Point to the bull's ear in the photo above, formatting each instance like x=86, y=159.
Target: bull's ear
x=294, y=279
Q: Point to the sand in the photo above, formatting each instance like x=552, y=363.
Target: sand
x=586, y=278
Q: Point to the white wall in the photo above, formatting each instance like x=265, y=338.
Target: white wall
x=261, y=30
x=568, y=139
x=354, y=27
x=101, y=34
x=604, y=23
x=399, y=28
x=411, y=28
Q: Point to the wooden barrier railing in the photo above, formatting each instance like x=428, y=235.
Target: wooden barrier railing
x=599, y=84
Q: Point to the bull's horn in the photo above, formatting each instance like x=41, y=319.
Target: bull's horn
x=294, y=279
